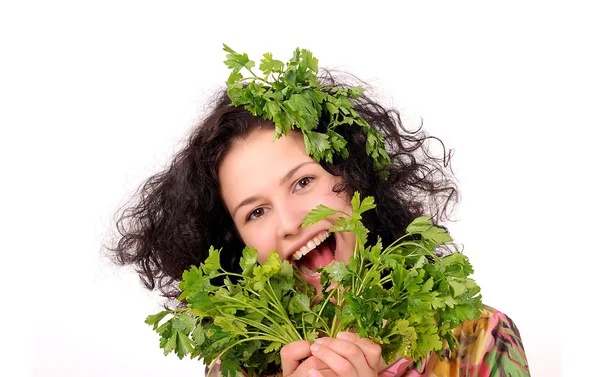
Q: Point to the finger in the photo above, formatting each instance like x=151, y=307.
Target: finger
x=321, y=373
x=344, y=358
x=292, y=354
x=372, y=352
x=313, y=363
x=348, y=336
x=370, y=349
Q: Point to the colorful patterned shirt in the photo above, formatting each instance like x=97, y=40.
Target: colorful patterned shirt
x=489, y=346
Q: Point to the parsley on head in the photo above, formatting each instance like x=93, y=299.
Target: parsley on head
x=291, y=96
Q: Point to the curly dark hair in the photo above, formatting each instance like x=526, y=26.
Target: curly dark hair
x=178, y=213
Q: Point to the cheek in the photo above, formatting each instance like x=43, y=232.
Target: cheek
x=341, y=199
x=324, y=194
x=338, y=201
x=260, y=240
x=348, y=244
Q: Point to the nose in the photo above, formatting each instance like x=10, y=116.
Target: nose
x=289, y=220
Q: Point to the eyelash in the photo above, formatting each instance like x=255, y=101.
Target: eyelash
x=249, y=218
x=252, y=213
x=301, y=179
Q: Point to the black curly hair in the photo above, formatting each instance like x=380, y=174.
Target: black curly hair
x=178, y=213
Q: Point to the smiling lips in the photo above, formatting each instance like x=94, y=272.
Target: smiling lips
x=310, y=245
x=318, y=252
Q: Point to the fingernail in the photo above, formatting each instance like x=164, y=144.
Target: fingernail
x=315, y=347
x=319, y=341
x=342, y=336
x=312, y=373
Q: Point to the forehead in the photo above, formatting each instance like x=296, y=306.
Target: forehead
x=258, y=161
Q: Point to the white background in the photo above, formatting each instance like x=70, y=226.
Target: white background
x=97, y=95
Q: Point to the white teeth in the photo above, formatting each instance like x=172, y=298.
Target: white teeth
x=305, y=270
x=310, y=245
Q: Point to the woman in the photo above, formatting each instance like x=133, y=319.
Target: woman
x=233, y=185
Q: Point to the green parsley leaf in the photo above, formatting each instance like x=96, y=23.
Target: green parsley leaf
x=337, y=271
x=212, y=264
x=269, y=65
x=154, y=319
x=299, y=303
x=321, y=212
x=275, y=346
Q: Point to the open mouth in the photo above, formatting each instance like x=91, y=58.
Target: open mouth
x=317, y=253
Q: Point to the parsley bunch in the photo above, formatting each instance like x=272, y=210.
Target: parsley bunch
x=291, y=96
x=402, y=296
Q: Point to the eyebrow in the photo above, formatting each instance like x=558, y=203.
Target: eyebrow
x=285, y=178
x=293, y=171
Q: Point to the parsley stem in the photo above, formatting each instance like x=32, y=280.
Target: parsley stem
x=236, y=344
x=274, y=301
x=246, y=305
x=385, y=279
x=255, y=78
x=419, y=246
x=328, y=330
x=303, y=326
x=336, y=324
x=273, y=330
x=391, y=247
x=283, y=313
x=253, y=74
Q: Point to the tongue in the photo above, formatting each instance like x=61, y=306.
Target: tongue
x=319, y=257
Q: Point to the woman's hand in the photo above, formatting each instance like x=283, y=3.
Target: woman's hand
x=297, y=360
x=345, y=356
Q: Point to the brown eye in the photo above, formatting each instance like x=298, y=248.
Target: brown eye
x=256, y=213
x=303, y=182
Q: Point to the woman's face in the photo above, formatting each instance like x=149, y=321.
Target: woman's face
x=269, y=187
